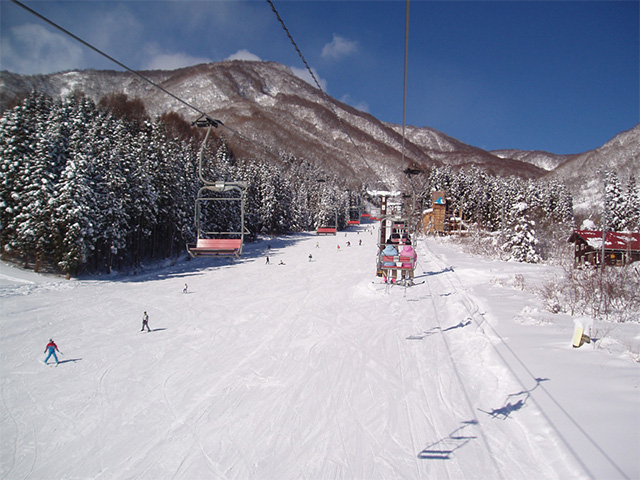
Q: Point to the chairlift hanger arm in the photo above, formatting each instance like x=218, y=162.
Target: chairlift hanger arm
x=206, y=121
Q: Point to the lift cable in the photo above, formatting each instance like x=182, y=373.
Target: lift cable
x=329, y=101
x=406, y=55
x=66, y=32
x=204, y=117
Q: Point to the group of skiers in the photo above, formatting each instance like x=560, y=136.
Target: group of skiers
x=52, y=348
x=389, y=250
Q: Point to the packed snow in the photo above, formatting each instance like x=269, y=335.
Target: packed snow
x=309, y=366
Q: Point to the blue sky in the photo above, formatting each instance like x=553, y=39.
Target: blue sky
x=560, y=76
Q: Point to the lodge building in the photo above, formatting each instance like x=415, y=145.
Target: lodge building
x=620, y=248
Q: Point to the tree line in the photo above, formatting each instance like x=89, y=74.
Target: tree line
x=89, y=187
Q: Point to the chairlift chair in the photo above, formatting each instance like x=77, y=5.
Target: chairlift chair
x=216, y=243
x=354, y=216
x=329, y=230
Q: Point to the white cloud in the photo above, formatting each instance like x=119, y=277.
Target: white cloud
x=157, y=59
x=173, y=61
x=362, y=106
x=339, y=47
x=304, y=74
x=30, y=49
x=244, y=55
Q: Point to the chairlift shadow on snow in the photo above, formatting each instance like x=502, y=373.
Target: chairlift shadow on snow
x=511, y=406
x=444, y=270
x=432, y=331
x=445, y=447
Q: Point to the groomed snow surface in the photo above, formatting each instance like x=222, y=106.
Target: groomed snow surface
x=311, y=369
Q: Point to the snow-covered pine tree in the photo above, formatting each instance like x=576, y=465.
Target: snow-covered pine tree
x=73, y=212
x=521, y=242
x=21, y=167
x=33, y=235
x=631, y=206
x=614, y=202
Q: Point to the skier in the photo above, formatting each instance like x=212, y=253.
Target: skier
x=389, y=251
x=310, y=257
x=145, y=322
x=186, y=289
x=267, y=262
x=51, y=347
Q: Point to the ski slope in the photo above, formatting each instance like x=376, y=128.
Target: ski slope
x=311, y=369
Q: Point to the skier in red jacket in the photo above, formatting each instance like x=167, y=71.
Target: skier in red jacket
x=51, y=348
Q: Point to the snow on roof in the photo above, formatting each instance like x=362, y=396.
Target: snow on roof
x=613, y=240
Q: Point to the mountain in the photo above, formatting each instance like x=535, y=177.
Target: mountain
x=269, y=112
x=583, y=173
x=545, y=160
x=272, y=111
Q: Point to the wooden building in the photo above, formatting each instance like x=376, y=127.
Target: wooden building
x=442, y=217
x=619, y=248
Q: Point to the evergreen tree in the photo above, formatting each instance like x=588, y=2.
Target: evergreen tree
x=521, y=242
x=614, y=203
x=631, y=207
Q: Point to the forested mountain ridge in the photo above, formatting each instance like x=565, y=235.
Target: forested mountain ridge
x=83, y=189
x=273, y=112
x=267, y=103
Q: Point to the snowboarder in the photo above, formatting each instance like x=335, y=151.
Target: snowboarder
x=51, y=348
x=145, y=322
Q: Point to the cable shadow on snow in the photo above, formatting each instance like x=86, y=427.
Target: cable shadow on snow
x=434, y=330
x=513, y=406
x=444, y=448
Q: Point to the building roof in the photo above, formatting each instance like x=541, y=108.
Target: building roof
x=613, y=240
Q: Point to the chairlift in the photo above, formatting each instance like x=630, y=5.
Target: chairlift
x=215, y=242
x=354, y=216
x=398, y=231
x=329, y=230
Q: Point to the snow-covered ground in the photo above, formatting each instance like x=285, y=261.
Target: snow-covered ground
x=311, y=369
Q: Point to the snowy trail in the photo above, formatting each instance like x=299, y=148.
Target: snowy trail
x=312, y=369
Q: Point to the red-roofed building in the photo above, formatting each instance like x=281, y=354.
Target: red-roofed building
x=619, y=248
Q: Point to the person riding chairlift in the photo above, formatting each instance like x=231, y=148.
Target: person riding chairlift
x=408, y=251
x=389, y=251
